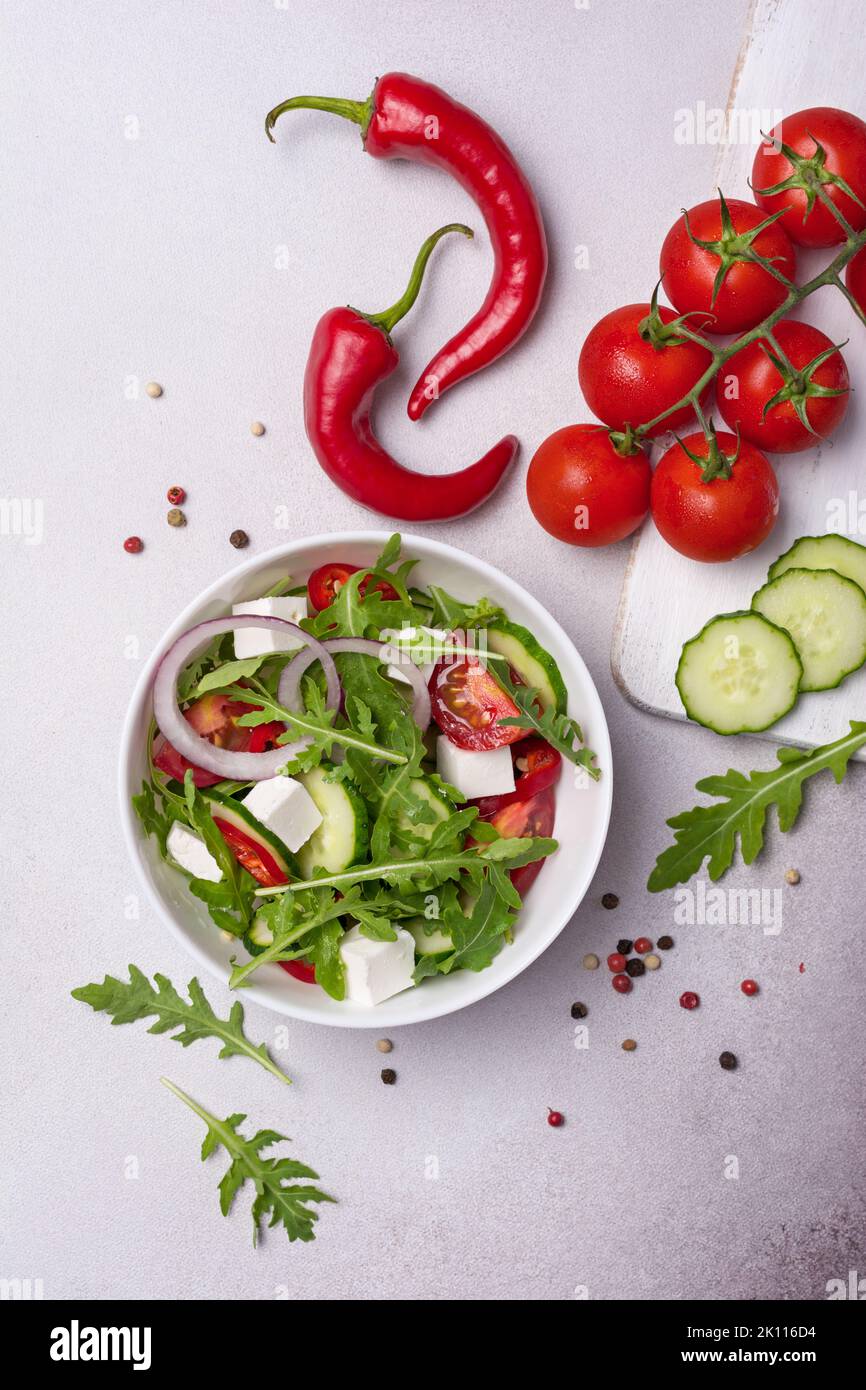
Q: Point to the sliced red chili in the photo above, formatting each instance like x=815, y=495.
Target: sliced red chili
x=326, y=582
x=300, y=970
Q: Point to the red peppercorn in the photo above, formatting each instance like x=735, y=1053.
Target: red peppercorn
x=749, y=987
x=616, y=962
x=643, y=945
x=555, y=1118
x=689, y=1000
x=176, y=496
x=133, y=544
x=621, y=983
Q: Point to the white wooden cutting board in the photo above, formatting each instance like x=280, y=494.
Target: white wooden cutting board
x=795, y=54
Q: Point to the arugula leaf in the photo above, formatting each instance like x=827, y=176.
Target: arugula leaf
x=391, y=552
x=128, y=1001
x=190, y=677
x=561, y=732
x=710, y=832
x=318, y=724
x=290, y=918
x=239, y=898
x=451, y=612
x=480, y=934
x=154, y=820
x=323, y=950
x=229, y=672
x=277, y=1194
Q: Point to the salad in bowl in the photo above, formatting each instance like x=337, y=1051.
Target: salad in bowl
x=355, y=774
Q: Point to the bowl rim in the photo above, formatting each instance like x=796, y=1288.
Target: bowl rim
x=429, y=548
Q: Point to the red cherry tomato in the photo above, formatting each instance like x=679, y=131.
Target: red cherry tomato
x=855, y=278
x=749, y=381
x=717, y=520
x=535, y=817
x=843, y=139
x=748, y=292
x=300, y=970
x=585, y=493
x=251, y=855
x=628, y=379
x=541, y=768
x=213, y=717
x=326, y=582
x=467, y=704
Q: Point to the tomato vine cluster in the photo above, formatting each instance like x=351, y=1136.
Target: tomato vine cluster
x=779, y=385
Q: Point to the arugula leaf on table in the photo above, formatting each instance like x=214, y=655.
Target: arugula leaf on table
x=277, y=1193
x=561, y=732
x=710, y=832
x=127, y=1001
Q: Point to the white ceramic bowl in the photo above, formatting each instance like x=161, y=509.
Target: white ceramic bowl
x=582, y=806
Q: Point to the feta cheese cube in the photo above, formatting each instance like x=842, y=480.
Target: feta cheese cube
x=261, y=641
x=375, y=970
x=412, y=635
x=486, y=773
x=286, y=808
x=191, y=853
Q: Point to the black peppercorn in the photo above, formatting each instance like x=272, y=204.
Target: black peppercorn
x=579, y=1011
x=727, y=1061
x=389, y=1076
x=610, y=900
x=624, y=946
x=665, y=943
x=239, y=539
x=635, y=967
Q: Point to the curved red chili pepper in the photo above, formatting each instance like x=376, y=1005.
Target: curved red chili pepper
x=407, y=118
x=350, y=355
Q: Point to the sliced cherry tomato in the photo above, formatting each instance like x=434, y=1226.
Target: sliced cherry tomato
x=300, y=970
x=251, y=855
x=541, y=768
x=326, y=582
x=534, y=817
x=213, y=717
x=467, y=705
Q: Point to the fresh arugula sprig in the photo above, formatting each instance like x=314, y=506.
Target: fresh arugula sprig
x=711, y=832
x=297, y=922
x=127, y=1001
x=278, y=1194
x=450, y=612
x=561, y=732
x=477, y=935
x=230, y=901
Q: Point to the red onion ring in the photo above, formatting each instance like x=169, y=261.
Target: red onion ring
x=227, y=763
x=288, y=692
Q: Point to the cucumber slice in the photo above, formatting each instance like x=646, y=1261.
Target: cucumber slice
x=342, y=837
x=235, y=814
x=838, y=553
x=430, y=939
x=739, y=674
x=825, y=615
x=259, y=935
x=441, y=809
x=529, y=659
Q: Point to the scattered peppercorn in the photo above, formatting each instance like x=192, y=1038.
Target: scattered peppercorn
x=652, y=961
x=579, y=1011
x=665, y=943
x=257, y=428
x=239, y=539
x=727, y=1061
x=591, y=962
x=629, y=1045
x=635, y=968
x=749, y=987
x=621, y=983
x=175, y=517
x=616, y=962
x=792, y=876
x=610, y=901
x=384, y=1044
x=176, y=496
x=555, y=1118
x=689, y=1000
x=133, y=544
x=389, y=1076
x=153, y=389
x=624, y=946
x=642, y=945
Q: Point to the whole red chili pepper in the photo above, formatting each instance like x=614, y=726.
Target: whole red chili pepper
x=407, y=118
x=351, y=354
